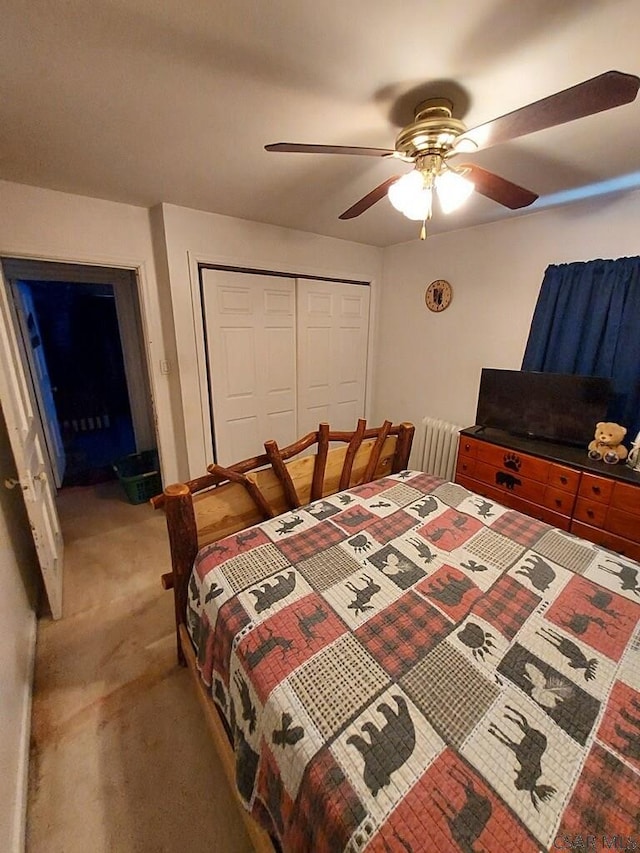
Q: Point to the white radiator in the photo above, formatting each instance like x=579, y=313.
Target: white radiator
x=440, y=447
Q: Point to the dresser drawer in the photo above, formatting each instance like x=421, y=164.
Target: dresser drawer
x=623, y=524
x=518, y=464
x=465, y=466
x=468, y=446
x=558, y=500
x=590, y=512
x=561, y=477
x=607, y=540
x=510, y=482
x=596, y=488
x=627, y=498
x=541, y=513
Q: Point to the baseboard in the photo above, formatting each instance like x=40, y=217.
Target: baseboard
x=22, y=781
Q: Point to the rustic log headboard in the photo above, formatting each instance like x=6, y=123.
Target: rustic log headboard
x=227, y=500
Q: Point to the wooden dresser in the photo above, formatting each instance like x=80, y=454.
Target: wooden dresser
x=556, y=484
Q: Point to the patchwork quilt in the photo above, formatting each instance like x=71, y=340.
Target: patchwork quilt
x=407, y=666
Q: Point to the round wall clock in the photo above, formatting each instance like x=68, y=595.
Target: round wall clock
x=438, y=295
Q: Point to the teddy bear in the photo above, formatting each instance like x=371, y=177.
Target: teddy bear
x=606, y=444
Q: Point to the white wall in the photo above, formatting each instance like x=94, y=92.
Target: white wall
x=39, y=223
x=429, y=364
x=192, y=237
x=18, y=572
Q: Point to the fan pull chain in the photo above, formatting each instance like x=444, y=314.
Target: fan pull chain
x=423, y=230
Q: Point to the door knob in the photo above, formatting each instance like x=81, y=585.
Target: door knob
x=10, y=483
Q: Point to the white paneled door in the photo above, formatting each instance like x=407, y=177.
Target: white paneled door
x=333, y=324
x=27, y=444
x=250, y=339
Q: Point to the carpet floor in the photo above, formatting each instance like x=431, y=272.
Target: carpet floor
x=120, y=755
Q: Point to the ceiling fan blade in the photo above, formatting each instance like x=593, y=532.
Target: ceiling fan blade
x=369, y=199
x=608, y=90
x=498, y=189
x=297, y=148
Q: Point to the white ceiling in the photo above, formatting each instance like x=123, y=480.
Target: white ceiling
x=143, y=101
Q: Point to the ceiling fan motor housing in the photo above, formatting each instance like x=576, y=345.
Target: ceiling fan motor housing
x=433, y=131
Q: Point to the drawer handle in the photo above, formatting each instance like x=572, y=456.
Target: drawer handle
x=596, y=490
x=564, y=481
x=467, y=446
x=558, y=502
x=464, y=466
x=590, y=513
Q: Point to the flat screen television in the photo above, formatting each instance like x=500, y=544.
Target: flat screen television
x=553, y=406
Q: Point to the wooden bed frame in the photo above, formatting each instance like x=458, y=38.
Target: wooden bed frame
x=228, y=500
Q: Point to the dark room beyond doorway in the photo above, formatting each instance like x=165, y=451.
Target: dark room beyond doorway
x=81, y=341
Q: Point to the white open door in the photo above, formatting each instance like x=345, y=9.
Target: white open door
x=333, y=328
x=251, y=354
x=34, y=350
x=27, y=444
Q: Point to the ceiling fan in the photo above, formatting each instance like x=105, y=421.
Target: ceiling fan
x=433, y=140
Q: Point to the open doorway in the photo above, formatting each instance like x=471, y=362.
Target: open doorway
x=82, y=339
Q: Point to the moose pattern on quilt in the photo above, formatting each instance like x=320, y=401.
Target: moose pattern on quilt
x=409, y=666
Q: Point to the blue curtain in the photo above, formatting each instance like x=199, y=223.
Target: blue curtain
x=587, y=321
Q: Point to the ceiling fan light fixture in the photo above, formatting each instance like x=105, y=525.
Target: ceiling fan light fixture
x=412, y=196
x=403, y=190
x=453, y=190
x=420, y=206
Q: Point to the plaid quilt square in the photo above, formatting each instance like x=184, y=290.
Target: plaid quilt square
x=314, y=828
x=506, y=606
x=451, y=494
x=494, y=549
x=605, y=802
x=393, y=526
x=566, y=550
x=620, y=726
x=336, y=683
x=302, y=545
x=403, y=494
x=248, y=568
x=426, y=483
x=519, y=527
x=402, y=633
x=328, y=567
x=451, y=808
x=451, y=693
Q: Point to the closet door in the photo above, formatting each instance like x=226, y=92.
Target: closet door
x=250, y=341
x=333, y=325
